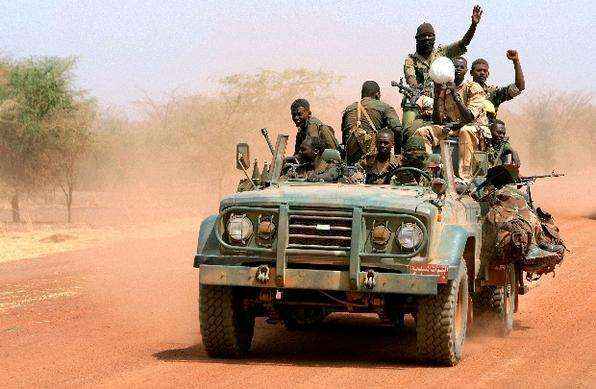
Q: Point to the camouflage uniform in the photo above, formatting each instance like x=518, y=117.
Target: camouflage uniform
x=414, y=144
x=471, y=136
x=314, y=128
x=417, y=66
x=498, y=95
x=360, y=140
x=375, y=171
x=497, y=153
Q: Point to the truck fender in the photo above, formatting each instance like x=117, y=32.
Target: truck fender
x=206, y=234
x=454, y=248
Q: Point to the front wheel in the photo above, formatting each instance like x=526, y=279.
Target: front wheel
x=227, y=327
x=442, y=322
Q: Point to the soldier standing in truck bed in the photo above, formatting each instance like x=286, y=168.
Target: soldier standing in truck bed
x=309, y=126
x=495, y=94
x=417, y=65
x=461, y=104
x=362, y=120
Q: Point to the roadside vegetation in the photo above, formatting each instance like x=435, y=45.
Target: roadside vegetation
x=56, y=142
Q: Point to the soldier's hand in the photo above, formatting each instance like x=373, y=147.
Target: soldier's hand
x=512, y=55
x=476, y=14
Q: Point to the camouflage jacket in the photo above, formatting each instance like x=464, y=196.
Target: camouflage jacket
x=498, y=152
x=376, y=172
x=417, y=66
x=382, y=115
x=498, y=95
x=473, y=97
x=314, y=128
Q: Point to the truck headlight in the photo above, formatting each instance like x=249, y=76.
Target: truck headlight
x=240, y=228
x=409, y=236
x=380, y=236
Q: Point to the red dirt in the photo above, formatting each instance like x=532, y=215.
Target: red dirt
x=127, y=316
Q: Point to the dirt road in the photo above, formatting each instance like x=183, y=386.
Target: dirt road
x=126, y=316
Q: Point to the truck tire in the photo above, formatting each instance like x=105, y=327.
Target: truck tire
x=227, y=328
x=442, y=322
x=496, y=304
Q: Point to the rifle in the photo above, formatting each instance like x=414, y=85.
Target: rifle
x=410, y=93
x=529, y=180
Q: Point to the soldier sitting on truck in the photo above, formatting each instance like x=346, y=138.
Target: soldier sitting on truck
x=311, y=165
x=462, y=105
x=414, y=156
x=362, y=120
x=377, y=169
x=497, y=95
x=309, y=126
x=500, y=151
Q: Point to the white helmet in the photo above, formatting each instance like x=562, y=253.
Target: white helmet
x=442, y=70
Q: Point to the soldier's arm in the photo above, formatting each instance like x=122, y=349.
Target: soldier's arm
x=300, y=135
x=410, y=72
x=437, y=119
x=345, y=128
x=394, y=124
x=328, y=135
x=520, y=83
x=476, y=16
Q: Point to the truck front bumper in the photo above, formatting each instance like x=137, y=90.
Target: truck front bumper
x=318, y=279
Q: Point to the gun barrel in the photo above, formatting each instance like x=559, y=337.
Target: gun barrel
x=265, y=133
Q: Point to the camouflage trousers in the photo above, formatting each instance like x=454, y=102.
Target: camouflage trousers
x=471, y=139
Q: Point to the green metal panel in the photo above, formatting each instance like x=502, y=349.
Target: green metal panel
x=355, y=248
x=318, y=280
x=282, y=244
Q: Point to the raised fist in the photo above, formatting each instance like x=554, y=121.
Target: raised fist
x=476, y=14
x=512, y=55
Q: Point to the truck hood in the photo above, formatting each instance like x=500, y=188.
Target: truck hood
x=378, y=197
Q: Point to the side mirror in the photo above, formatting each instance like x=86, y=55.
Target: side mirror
x=242, y=156
x=331, y=155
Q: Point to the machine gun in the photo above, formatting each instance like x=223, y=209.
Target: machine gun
x=528, y=180
x=412, y=95
x=408, y=104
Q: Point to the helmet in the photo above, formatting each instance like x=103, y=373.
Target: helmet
x=414, y=143
x=442, y=70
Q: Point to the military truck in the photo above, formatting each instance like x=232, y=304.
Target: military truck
x=295, y=251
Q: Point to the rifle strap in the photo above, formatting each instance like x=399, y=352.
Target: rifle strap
x=361, y=110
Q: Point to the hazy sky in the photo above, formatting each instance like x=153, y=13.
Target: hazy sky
x=126, y=47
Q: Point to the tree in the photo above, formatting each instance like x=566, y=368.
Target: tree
x=30, y=92
x=70, y=141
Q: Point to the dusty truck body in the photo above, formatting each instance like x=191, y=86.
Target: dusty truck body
x=296, y=251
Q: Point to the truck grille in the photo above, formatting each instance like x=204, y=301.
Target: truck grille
x=320, y=230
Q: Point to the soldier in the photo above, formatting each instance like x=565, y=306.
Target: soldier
x=311, y=165
x=495, y=94
x=462, y=105
x=500, y=150
x=309, y=126
x=377, y=169
x=414, y=155
x=417, y=65
x=362, y=120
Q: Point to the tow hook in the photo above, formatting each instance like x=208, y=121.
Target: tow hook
x=262, y=275
x=369, y=282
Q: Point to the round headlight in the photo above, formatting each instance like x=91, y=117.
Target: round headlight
x=409, y=236
x=380, y=236
x=266, y=229
x=240, y=228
